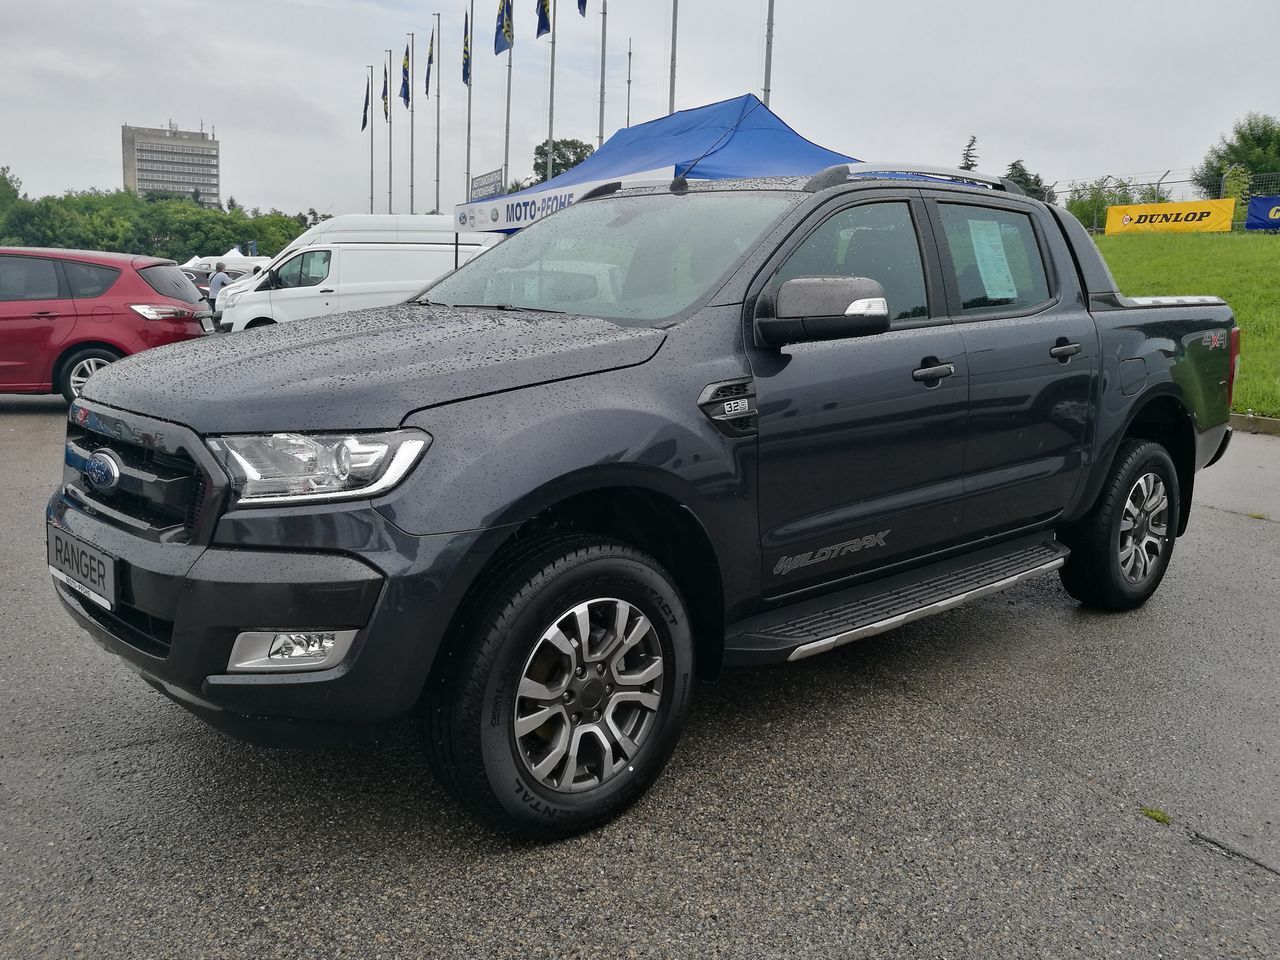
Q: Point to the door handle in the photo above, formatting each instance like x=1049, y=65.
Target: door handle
x=1064, y=351
x=327, y=290
x=932, y=374
x=45, y=314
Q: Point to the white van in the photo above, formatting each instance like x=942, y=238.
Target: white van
x=349, y=263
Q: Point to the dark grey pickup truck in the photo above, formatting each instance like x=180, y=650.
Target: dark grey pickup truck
x=663, y=431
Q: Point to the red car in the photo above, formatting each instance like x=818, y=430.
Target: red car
x=66, y=313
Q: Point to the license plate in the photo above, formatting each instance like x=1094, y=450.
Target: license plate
x=206, y=323
x=85, y=569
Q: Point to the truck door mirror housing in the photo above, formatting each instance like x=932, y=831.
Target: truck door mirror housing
x=824, y=308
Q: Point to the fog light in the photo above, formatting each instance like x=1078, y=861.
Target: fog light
x=289, y=650
x=291, y=646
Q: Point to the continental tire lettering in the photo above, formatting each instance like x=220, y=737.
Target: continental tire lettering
x=787, y=564
x=536, y=803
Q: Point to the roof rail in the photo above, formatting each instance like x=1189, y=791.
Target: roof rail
x=844, y=172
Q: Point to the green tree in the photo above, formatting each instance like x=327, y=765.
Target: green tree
x=1088, y=202
x=1030, y=183
x=10, y=190
x=1254, y=144
x=969, y=159
x=565, y=155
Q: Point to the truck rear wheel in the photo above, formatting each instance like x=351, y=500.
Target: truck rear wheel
x=1121, y=550
x=566, y=695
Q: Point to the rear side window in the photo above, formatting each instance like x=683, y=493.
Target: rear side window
x=995, y=257
x=168, y=281
x=88, y=279
x=28, y=278
x=877, y=241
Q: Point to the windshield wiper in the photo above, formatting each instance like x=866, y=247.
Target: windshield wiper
x=511, y=307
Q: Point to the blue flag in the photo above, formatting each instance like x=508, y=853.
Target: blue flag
x=504, y=35
x=466, y=49
x=582, y=7
x=404, y=76
x=386, y=103
x=431, y=58
x=544, y=17
x=364, y=121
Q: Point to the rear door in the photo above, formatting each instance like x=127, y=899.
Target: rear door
x=306, y=285
x=861, y=441
x=36, y=316
x=1033, y=358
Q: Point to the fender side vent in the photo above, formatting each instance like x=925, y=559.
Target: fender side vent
x=731, y=406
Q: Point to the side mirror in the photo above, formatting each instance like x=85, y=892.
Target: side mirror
x=256, y=271
x=824, y=308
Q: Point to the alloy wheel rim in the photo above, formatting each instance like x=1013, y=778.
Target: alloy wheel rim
x=589, y=695
x=83, y=370
x=1144, y=528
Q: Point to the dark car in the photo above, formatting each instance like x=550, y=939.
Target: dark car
x=661, y=431
x=65, y=314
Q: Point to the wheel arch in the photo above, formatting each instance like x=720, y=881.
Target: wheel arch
x=644, y=517
x=66, y=352
x=1164, y=419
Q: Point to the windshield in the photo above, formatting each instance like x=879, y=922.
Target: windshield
x=636, y=259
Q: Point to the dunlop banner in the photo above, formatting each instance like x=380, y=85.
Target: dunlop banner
x=1196, y=216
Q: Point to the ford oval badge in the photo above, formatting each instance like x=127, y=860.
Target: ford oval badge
x=102, y=470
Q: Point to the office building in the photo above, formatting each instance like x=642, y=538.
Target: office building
x=169, y=159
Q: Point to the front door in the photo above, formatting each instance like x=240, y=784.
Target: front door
x=36, y=316
x=860, y=458
x=1033, y=359
x=305, y=286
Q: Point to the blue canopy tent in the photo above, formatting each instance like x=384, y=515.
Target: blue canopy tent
x=733, y=138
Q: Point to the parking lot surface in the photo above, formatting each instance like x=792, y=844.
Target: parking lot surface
x=971, y=785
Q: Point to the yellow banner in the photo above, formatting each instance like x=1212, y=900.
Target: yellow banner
x=1197, y=216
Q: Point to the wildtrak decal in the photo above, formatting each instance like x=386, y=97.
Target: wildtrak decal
x=786, y=564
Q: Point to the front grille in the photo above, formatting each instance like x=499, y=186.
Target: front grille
x=162, y=494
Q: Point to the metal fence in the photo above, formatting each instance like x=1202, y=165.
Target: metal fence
x=1095, y=194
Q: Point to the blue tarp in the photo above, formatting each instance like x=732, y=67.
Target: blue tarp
x=1264, y=214
x=760, y=146
x=733, y=138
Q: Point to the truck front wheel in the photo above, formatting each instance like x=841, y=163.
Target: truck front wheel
x=1121, y=549
x=566, y=696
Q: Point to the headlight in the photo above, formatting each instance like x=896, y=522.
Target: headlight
x=311, y=467
x=231, y=299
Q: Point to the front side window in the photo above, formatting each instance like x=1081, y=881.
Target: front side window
x=995, y=258
x=877, y=241
x=636, y=259
x=28, y=278
x=304, y=270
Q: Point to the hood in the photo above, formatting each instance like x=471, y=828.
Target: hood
x=363, y=370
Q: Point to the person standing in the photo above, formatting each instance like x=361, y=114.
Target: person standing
x=217, y=282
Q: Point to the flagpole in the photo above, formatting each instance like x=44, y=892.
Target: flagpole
x=675, y=16
x=390, y=114
x=506, y=143
x=628, y=82
x=604, y=31
x=438, y=85
x=551, y=99
x=413, y=101
x=471, y=26
x=768, y=54
x=371, y=138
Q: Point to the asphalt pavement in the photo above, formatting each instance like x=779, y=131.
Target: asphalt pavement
x=971, y=785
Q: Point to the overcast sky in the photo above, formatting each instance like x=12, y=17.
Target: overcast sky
x=1075, y=89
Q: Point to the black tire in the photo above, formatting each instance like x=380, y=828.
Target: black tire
x=69, y=365
x=471, y=703
x=1093, y=574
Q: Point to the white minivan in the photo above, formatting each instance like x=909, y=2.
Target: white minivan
x=349, y=263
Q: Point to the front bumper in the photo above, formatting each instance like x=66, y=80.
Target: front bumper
x=345, y=567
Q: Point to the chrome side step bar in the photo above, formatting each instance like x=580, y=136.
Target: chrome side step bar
x=871, y=629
